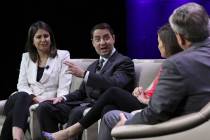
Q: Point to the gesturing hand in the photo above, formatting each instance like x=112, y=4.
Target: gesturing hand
x=74, y=69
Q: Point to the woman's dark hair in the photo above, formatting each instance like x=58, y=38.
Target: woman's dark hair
x=101, y=26
x=168, y=37
x=30, y=45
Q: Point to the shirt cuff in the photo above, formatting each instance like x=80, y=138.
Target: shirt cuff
x=86, y=76
x=64, y=98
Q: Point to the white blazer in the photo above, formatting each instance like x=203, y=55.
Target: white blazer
x=54, y=82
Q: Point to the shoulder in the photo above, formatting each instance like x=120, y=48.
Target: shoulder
x=63, y=53
x=25, y=56
x=120, y=57
x=181, y=58
x=176, y=62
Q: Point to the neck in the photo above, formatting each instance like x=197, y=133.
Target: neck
x=187, y=44
x=42, y=59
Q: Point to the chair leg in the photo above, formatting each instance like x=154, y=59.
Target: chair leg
x=99, y=122
x=84, y=135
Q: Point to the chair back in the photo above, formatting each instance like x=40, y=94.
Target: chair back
x=76, y=81
x=146, y=70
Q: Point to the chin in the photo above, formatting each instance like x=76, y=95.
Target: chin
x=105, y=55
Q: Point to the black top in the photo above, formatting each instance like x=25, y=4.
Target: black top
x=39, y=73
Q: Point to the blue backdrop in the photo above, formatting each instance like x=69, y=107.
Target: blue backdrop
x=144, y=17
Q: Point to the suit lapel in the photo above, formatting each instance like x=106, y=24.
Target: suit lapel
x=109, y=62
x=32, y=71
x=94, y=66
x=92, y=69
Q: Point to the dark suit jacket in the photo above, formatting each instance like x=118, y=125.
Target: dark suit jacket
x=118, y=72
x=184, y=86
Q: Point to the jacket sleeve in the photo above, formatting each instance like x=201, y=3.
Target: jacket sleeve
x=122, y=75
x=77, y=95
x=170, y=91
x=64, y=78
x=23, y=84
x=152, y=87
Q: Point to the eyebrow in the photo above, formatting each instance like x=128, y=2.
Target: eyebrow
x=102, y=35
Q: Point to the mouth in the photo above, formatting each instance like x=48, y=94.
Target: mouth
x=104, y=50
x=45, y=45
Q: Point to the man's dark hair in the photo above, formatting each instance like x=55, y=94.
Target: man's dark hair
x=101, y=26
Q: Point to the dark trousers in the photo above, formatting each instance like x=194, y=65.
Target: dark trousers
x=50, y=115
x=16, y=111
x=111, y=99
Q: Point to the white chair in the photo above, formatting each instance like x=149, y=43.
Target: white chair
x=193, y=126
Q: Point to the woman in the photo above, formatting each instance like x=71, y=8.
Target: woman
x=119, y=98
x=42, y=76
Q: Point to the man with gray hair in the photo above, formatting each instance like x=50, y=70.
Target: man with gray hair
x=184, y=85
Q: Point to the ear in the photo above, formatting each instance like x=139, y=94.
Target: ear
x=181, y=40
x=113, y=36
x=92, y=42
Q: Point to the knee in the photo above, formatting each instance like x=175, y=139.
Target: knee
x=23, y=95
x=76, y=112
x=111, y=118
x=113, y=90
x=42, y=108
x=75, y=115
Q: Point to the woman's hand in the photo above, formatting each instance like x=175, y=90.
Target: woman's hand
x=138, y=91
x=143, y=98
x=38, y=99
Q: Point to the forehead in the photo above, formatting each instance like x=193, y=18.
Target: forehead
x=158, y=36
x=101, y=32
x=41, y=31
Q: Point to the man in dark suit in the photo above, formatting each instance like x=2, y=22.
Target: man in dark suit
x=114, y=70
x=184, y=85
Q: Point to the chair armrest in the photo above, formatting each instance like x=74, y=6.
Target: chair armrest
x=34, y=123
x=172, y=126
x=2, y=104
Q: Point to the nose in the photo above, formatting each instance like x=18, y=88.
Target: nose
x=43, y=38
x=102, y=41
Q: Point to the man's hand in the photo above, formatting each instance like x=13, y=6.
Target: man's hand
x=56, y=100
x=122, y=121
x=74, y=69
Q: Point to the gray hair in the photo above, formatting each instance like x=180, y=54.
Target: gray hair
x=209, y=27
x=191, y=21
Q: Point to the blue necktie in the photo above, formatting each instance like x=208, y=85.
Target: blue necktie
x=100, y=64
